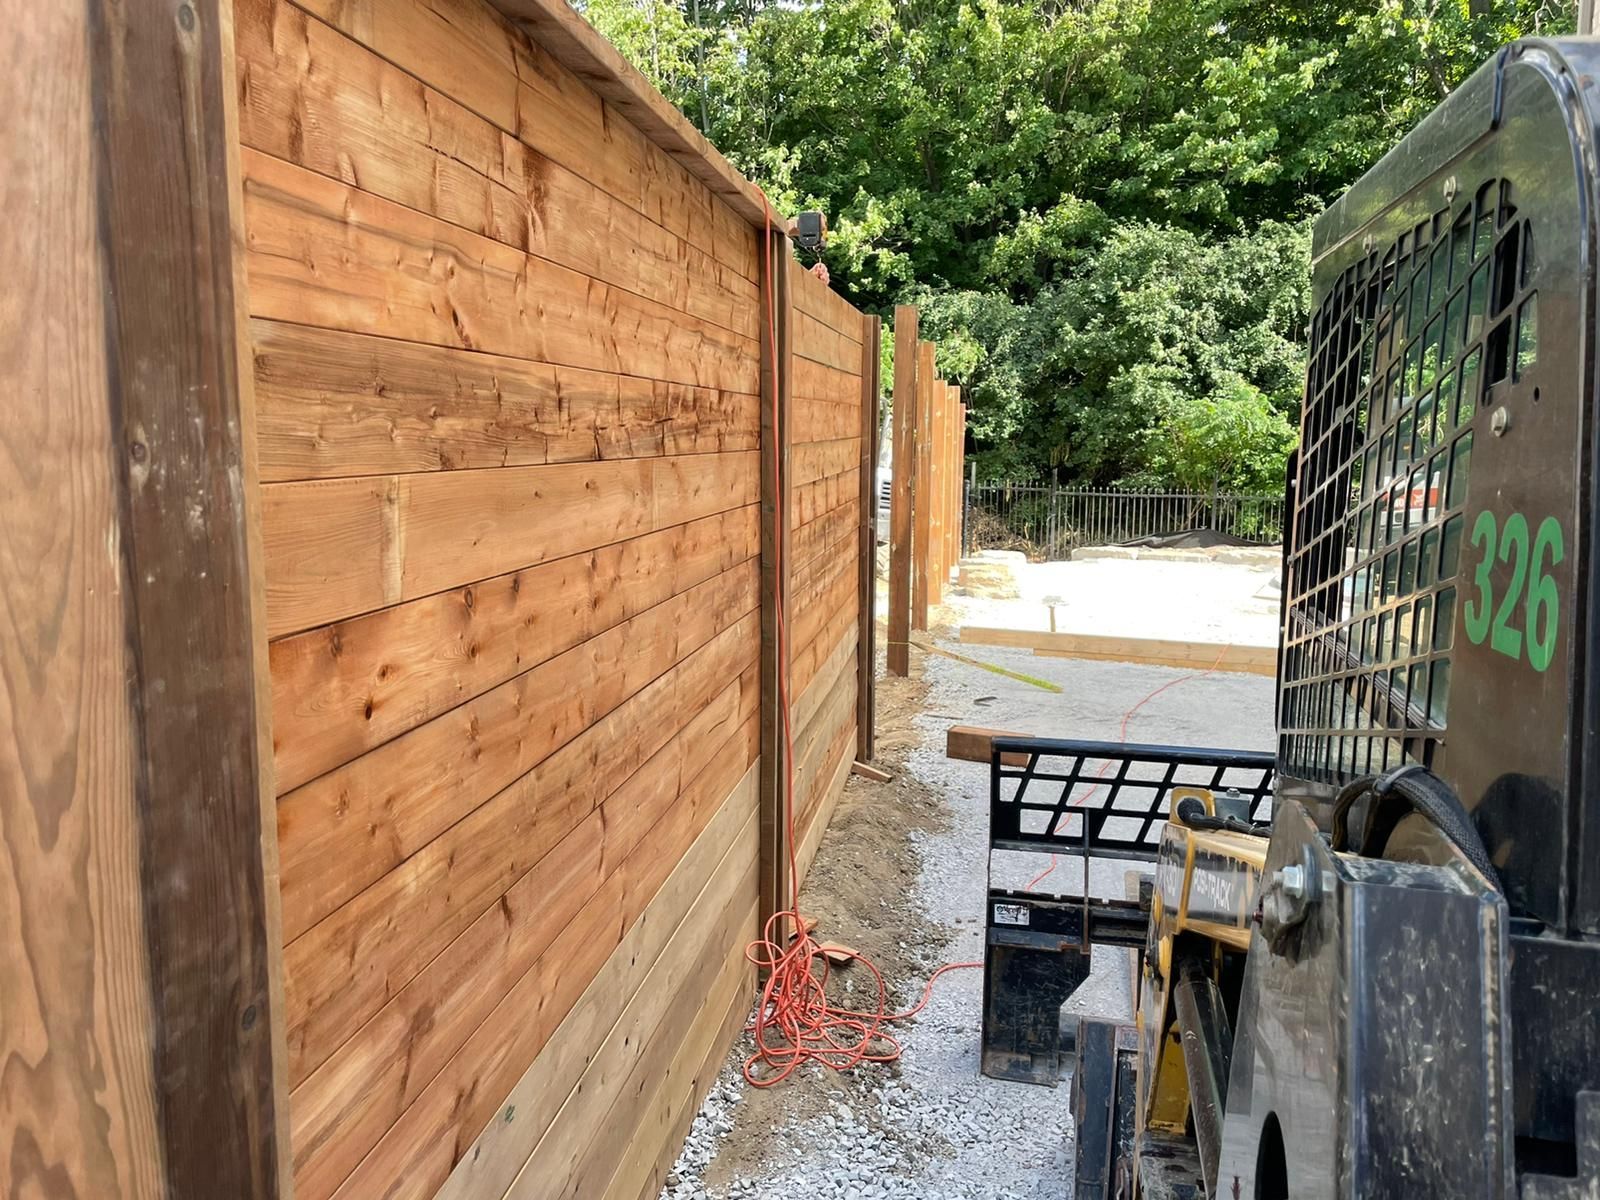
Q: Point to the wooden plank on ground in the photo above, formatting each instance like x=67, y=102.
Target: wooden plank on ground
x=901, y=501
x=972, y=743
x=1255, y=660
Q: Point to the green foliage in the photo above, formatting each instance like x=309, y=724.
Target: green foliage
x=1101, y=206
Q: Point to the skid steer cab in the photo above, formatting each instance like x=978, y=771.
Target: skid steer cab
x=1368, y=965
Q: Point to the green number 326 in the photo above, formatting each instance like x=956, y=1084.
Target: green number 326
x=1531, y=588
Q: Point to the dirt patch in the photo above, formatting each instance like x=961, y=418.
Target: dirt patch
x=860, y=890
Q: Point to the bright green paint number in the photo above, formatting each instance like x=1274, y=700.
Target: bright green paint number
x=1531, y=588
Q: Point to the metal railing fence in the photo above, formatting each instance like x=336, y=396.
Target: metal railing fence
x=1048, y=522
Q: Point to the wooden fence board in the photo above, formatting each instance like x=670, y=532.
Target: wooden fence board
x=324, y=253
x=333, y=404
x=316, y=98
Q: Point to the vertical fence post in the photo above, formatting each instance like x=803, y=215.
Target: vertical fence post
x=903, y=483
x=776, y=509
x=922, y=534
x=867, y=547
x=966, y=511
x=938, y=403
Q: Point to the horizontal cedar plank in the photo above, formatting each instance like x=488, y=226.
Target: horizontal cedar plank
x=340, y=690
x=1259, y=660
x=665, y=1109
x=475, y=57
x=825, y=535
x=811, y=842
x=638, y=1050
x=343, y=830
x=642, y=1171
x=345, y=968
x=815, y=381
x=342, y=1111
x=817, y=299
x=811, y=697
x=823, y=420
x=817, y=573
x=812, y=500
x=810, y=461
x=815, y=341
x=331, y=404
x=335, y=548
x=808, y=659
x=314, y=97
x=696, y=889
x=417, y=1154
x=832, y=766
x=814, y=753
x=321, y=252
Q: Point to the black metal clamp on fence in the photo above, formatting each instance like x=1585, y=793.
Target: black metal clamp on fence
x=1083, y=800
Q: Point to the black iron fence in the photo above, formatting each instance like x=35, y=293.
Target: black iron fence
x=1049, y=522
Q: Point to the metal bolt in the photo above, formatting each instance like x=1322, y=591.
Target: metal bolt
x=1500, y=421
x=1450, y=189
x=1292, y=882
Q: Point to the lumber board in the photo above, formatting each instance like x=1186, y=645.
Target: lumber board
x=333, y=404
x=925, y=499
x=689, y=898
x=317, y=98
x=806, y=855
x=136, y=1025
x=344, y=829
x=344, y=968
x=822, y=344
x=418, y=1152
x=973, y=743
x=475, y=57
x=666, y=1114
x=816, y=298
x=75, y=1012
x=822, y=460
x=902, y=495
x=779, y=501
x=336, y=548
x=341, y=1111
x=938, y=483
x=824, y=420
x=590, y=57
x=817, y=381
x=1256, y=660
x=826, y=535
x=815, y=745
x=867, y=549
x=580, y=1145
x=343, y=689
x=322, y=252
x=824, y=495
x=809, y=661
x=811, y=699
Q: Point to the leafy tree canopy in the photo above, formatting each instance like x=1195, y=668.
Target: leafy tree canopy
x=1101, y=206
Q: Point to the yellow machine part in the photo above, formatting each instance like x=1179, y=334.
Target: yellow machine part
x=1205, y=886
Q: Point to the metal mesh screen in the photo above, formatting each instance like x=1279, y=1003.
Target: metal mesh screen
x=1404, y=348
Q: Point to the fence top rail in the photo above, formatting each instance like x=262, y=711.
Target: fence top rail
x=1143, y=493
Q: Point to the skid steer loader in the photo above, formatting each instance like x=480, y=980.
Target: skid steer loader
x=1368, y=965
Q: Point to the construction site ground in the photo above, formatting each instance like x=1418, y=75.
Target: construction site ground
x=901, y=876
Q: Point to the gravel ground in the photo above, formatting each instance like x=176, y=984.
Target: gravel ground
x=931, y=1126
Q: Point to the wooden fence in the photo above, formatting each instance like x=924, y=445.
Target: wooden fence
x=930, y=425
x=532, y=472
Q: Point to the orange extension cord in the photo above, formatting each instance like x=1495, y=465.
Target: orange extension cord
x=794, y=1022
